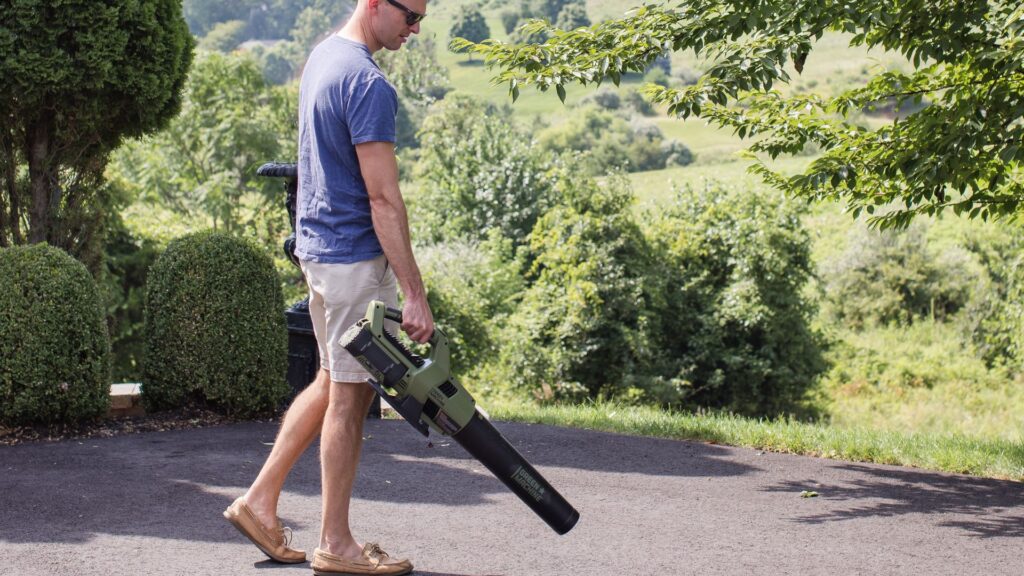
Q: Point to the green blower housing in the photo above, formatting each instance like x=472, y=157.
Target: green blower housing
x=424, y=392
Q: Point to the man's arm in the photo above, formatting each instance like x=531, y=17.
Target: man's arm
x=391, y=222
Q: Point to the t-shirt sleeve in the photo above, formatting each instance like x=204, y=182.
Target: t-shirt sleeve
x=372, y=111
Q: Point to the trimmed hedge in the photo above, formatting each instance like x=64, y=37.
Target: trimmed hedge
x=215, y=327
x=54, y=348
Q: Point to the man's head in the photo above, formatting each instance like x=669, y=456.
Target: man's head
x=391, y=22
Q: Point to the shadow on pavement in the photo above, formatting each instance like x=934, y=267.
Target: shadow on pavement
x=175, y=484
x=995, y=507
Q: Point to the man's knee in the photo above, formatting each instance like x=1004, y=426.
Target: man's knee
x=347, y=397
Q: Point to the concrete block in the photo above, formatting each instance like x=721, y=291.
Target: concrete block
x=125, y=400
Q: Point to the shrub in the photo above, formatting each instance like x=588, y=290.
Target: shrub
x=999, y=332
x=893, y=278
x=606, y=141
x=481, y=174
x=472, y=287
x=919, y=378
x=702, y=307
x=54, y=350
x=606, y=98
x=640, y=105
x=129, y=259
x=735, y=324
x=581, y=328
x=657, y=75
x=225, y=36
x=686, y=76
x=215, y=327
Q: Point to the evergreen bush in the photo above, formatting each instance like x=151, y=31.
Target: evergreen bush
x=215, y=327
x=54, y=349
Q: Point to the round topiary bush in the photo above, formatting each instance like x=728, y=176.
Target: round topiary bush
x=54, y=348
x=215, y=327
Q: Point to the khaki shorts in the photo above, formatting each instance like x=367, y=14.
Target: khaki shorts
x=338, y=297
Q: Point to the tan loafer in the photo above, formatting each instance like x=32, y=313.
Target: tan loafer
x=272, y=541
x=373, y=561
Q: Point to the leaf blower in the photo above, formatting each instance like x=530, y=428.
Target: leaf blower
x=424, y=392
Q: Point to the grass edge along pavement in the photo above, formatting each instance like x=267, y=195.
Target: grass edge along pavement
x=1000, y=459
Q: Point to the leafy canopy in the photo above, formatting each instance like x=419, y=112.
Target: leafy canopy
x=204, y=163
x=963, y=150
x=79, y=77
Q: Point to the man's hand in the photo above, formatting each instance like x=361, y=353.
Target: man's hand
x=417, y=320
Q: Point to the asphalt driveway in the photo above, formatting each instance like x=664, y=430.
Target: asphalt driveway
x=151, y=503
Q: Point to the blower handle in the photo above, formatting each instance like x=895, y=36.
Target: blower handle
x=393, y=314
x=396, y=315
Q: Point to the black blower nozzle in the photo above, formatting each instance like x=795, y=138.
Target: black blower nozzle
x=483, y=441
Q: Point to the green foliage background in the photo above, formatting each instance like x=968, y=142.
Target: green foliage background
x=689, y=281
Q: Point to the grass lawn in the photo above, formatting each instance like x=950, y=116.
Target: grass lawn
x=948, y=453
x=655, y=187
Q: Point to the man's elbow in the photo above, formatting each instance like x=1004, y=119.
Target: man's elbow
x=382, y=199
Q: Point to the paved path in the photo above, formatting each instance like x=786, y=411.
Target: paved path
x=150, y=504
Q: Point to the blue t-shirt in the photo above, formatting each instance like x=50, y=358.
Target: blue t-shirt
x=344, y=100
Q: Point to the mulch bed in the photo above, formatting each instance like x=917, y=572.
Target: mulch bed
x=159, y=422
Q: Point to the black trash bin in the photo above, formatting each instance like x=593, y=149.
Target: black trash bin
x=303, y=356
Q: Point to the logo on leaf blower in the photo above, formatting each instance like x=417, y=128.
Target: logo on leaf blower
x=529, y=483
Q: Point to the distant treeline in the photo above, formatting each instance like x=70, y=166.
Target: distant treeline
x=263, y=19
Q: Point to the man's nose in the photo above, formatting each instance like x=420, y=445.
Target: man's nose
x=415, y=28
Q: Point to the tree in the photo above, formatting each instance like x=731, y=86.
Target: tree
x=572, y=16
x=225, y=36
x=318, y=20
x=547, y=9
x=79, y=77
x=204, y=163
x=203, y=15
x=480, y=172
x=962, y=151
x=470, y=25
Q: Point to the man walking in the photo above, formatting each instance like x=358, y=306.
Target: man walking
x=353, y=241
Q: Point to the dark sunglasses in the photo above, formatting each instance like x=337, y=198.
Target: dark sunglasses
x=411, y=17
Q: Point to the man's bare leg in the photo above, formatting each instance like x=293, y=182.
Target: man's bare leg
x=340, y=445
x=300, y=426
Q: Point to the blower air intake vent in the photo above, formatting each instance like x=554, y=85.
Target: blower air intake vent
x=448, y=388
x=416, y=360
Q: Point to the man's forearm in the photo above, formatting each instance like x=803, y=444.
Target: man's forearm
x=391, y=222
